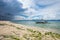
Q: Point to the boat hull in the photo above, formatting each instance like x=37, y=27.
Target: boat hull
x=41, y=22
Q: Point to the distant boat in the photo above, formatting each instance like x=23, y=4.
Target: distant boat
x=41, y=21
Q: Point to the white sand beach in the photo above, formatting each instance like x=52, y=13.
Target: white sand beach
x=13, y=31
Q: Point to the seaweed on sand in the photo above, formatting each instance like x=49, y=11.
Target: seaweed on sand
x=11, y=36
x=53, y=35
x=2, y=24
x=35, y=35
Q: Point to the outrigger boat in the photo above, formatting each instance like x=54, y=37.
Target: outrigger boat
x=41, y=22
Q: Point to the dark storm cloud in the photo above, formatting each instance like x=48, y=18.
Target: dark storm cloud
x=9, y=8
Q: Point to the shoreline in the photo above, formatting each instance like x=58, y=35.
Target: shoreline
x=10, y=28
x=37, y=27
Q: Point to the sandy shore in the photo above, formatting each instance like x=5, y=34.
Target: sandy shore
x=13, y=31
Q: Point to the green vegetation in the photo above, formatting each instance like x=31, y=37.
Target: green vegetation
x=11, y=36
x=26, y=36
x=19, y=28
x=30, y=30
x=32, y=36
x=57, y=35
x=12, y=25
x=16, y=27
x=2, y=24
x=53, y=35
x=14, y=37
x=5, y=36
x=35, y=35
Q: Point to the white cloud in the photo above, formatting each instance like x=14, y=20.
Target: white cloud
x=26, y=3
x=45, y=2
x=19, y=18
x=49, y=12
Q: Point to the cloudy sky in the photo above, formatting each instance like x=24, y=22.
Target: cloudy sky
x=32, y=9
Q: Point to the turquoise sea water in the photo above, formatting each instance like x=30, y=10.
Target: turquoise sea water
x=50, y=24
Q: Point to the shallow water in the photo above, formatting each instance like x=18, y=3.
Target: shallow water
x=50, y=24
